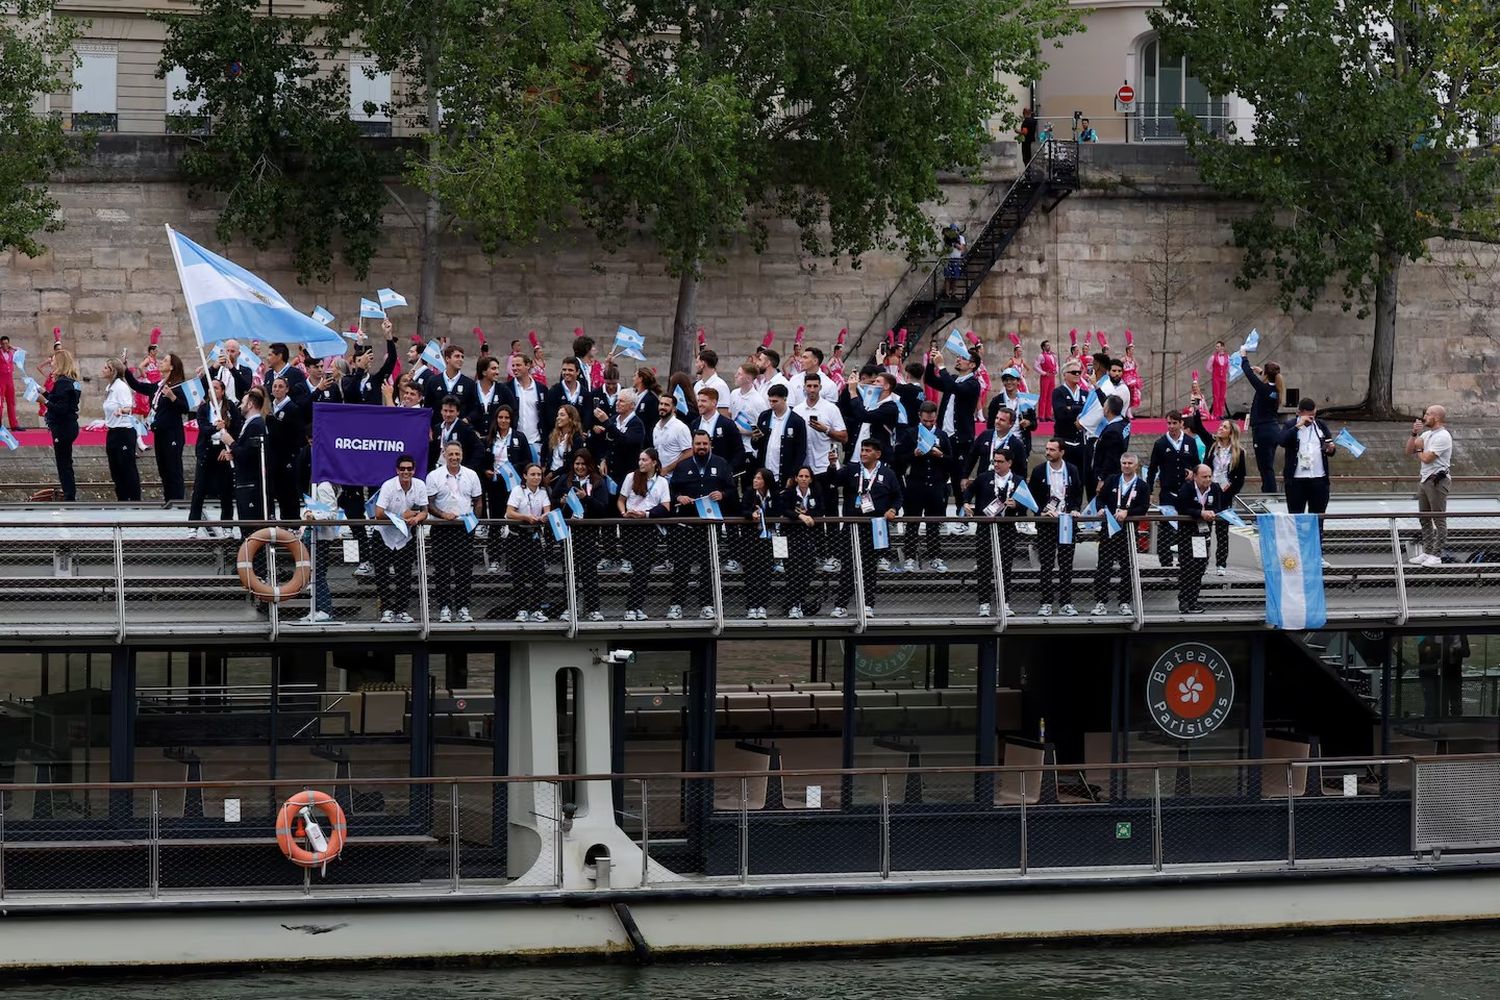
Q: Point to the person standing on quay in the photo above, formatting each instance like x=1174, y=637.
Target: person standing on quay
x=1433, y=445
x=1265, y=420
x=119, y=436
x=62, y=418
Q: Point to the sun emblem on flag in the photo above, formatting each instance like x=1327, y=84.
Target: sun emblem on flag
x=1288, y=563
x=261, y=297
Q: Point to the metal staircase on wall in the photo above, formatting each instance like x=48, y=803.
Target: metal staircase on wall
x=1050, y=176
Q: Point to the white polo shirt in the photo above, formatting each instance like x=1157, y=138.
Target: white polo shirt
x=393, y=499
x=453, y=493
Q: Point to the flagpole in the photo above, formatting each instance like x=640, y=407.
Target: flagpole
x=213, y=406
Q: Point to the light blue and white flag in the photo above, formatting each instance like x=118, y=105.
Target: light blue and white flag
x=870, y=396
x=470, y=522
x=1251, y=342
x=370, y=506
x=400, y=523
x=192, y=393
x=630, y=343
x=308, y=503
x=1026, y=401
x=1065, y=529
x=926, y=440
x=432, y=355
x=536, y=454
x=389, y=299
x=708, y=509
x=509, y=475
x=31, y=390
x=141, y=430
x=249, y=359
x=1168, y=510
x=575, y=505
x=1111, y=526
x=1092, y=508
x=1348, y=441
x=8, y=439
x=1092, y=419
x=1235, y=372
x=322, y=315
x=19, y=357
x=370, y=310
x=743, y=421
x=1022, y=496
x=880, y=534
x=559, y=526
x=1228, y=514
x=1291, y=553
x=956, y=344
x=225, y=300
x=681, y=397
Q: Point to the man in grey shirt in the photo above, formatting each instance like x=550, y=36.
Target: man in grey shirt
x=1433, y=446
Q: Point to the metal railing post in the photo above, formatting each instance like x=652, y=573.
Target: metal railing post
x=557, y=834
x=1024, y=846
x=454, y=870
x=2, y=845
x=570, y=578
x=118, y=537
x=273, y=611
x=645, y=834
x=1156, y=836
x=998, y=575
x=1291, y=819
x=1415, y=792
x=715, y=575
x=1403, y=606
x=744, y=830
x=857, y=566
x=885, y=825
x=1133, y=567
x=423, y=603
x=153, y=861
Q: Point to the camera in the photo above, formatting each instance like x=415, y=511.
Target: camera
x=617, y=657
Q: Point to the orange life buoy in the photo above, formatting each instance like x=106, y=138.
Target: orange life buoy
x=289, y=820
x=268, y=590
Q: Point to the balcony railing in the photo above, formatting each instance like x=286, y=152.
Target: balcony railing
x=94, y=121
x=147, y=578
x=1159, y=120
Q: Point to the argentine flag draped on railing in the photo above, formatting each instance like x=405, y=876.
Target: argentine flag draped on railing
x=1291, y=553
x=225, y=300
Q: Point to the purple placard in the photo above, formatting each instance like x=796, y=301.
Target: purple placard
x=357, y=445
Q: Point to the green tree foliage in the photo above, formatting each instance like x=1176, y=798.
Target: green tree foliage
x=1373, y=131
x=273, y=144
x=36, y=58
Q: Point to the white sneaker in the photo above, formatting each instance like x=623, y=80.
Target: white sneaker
x=839, y=613
x=640, y=615
x=1008, y=612
x=778, y=567
x=869, y=611
x=464, y=616
x=1126, y=610
x=665, y=566
x=830, y=565
x=732, y=566
x=984, y=610
x=523, y=616
x=1045, y=611
x=674, y=612
x=1069, y=610
x=883, y=564
x=629, y=616
x=364, y=569
x=539, y=616
x=910, y=566
x=493, y=569
x=795, y=612
x=1419, y=559
x=938, y=566
x=1327, y=564
x=313, y=618
x=1220, y=571
x=445, y=615
x=404, y=618
x=1099, y=609
x=605, y=566
x=387, y=617
x=597, y=616
x=194, y=534
x=625, y=566
x=706, y=612
x=482, y=531
x=1432, y=560
x=346, y=534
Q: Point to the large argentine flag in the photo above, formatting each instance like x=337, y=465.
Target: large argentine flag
x=1291, y=552
x=225, y=300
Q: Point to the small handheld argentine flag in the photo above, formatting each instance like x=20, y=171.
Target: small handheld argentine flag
x=1291, y=554
x=509, y=475
x=19, y=357
x=8, y=439
x=1022, y=496
x=743, y=421
x=308, y=503
x=1111, y=526
x=192, y=392
x=956, y=344
x=1251, y=342
x=681, y=397
x=249, y=359
x=399, y=522
x=432, y=354
x=1228, y=514
x=370, y=310
x=389, y=299
x=870, y=395
x=575, y=505
x=926, y=440
x=1092, y=508
x=1065, y=529
x=1168, y=511
x=557, y=524
x=708, y=509
x=32, y=390
x=1348, y=441
x=141, y=430
x=630, y=343
x=470, y=521
x=322, y=315
x=536, y=454
x=1027, y=400
x=370, y=506
x=880, y=534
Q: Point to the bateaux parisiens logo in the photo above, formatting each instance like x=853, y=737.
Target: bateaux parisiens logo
x=1190, y=690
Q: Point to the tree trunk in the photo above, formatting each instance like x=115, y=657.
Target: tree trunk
x=684, y=325
x=1379, y=400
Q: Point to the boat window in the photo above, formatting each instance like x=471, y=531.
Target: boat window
x=655, y=736
x=1446, y=695
x=54, y=729
x=463, y=732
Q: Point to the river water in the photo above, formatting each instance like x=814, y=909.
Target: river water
x=1461, y=964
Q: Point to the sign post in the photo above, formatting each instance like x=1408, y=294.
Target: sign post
x=1124, y=102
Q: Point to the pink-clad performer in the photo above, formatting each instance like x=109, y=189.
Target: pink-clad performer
x=1132, y=372
x=981, y=373
x=1218, y=373
x=1017, y=361
x=1046, y=367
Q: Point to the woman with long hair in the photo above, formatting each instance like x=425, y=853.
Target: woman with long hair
x=1265, y=417
x=119, y=436
x=559, y=446
x=504, y=445
x=762, y=501
x=169, y=409
x=1222, y=452
x=211, y=472
x=527, y=509
x=801, y=504
x=61, y=416
x=583, y=496
x=647, y=398
x=643, y=494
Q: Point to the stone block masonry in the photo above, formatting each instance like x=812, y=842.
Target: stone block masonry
x=1144, y=231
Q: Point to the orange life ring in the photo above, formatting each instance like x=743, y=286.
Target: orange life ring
x=289, y=828
x=268, y=590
